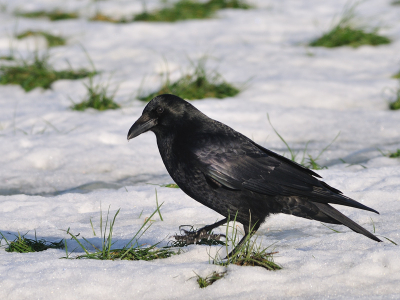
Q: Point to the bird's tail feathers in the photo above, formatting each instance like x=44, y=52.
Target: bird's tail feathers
x=322, y=196
x=342, y=219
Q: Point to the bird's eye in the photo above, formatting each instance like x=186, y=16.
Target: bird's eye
x=160, y=110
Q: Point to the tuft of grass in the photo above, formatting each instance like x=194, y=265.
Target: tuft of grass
x=7, y=57
x=209, y=279
x=37, y=74
x=189, y=9
x=222, y=4
x=250, y=253
x=53, y=15
x=392, y=95
x=395, y=2
x=309, y=162
x=199, y=84
x=52, y=40
x=23, y=244
x=395, y=103
x=103, y=18
x=348, y=36
x=391, y=154
x=131, y=251
x=97, y=97
x=346, y=33
x=395, y=154
x=397, y=75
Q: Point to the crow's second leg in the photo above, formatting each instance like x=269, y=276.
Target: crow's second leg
x=247, y=235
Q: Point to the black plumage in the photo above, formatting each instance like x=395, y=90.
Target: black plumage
x=229, y=173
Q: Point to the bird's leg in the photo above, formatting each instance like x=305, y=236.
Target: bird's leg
x=208, y=228
x=247, y=235
x=193, y=237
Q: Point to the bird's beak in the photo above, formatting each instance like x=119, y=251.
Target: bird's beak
x=143, y=124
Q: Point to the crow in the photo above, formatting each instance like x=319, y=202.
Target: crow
x=229, y=173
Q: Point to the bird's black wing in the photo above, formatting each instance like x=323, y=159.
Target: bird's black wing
x=237, y=163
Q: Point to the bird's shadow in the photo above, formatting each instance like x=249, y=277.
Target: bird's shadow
x=281, y=235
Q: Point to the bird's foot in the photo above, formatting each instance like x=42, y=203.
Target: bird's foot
x=201, y=236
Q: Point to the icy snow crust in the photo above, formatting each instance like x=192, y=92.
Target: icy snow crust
x=51, y=156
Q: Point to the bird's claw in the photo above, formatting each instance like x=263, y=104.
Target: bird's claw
x=201, y=236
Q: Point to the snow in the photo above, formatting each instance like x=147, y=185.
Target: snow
x=59, y=166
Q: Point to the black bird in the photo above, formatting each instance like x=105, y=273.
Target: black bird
x=229, y=173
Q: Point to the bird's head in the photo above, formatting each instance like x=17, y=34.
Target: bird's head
x=162, y=114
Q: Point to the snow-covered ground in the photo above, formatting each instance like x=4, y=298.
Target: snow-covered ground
x=58, y=166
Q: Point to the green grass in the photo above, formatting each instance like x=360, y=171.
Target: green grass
x=348, y=36
x=395, y=154
x=52, y=40
x=168, y=185
x=7, y=57
x=395, y=104
x=350, y=164
x=37, y=74
x=374, y=229
x=22, y=244
x=103, y=18
x=158, y=206
x=250, y=253
x=397, y=75
x=346, y=33
x=171, y=185
x=53, y=15
x=309, y=161
x=199, y=84
x=334, y=230
x=395, y=2
x=133, y=250
x=189, y=9
x=97, y=97
x=209, y=279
